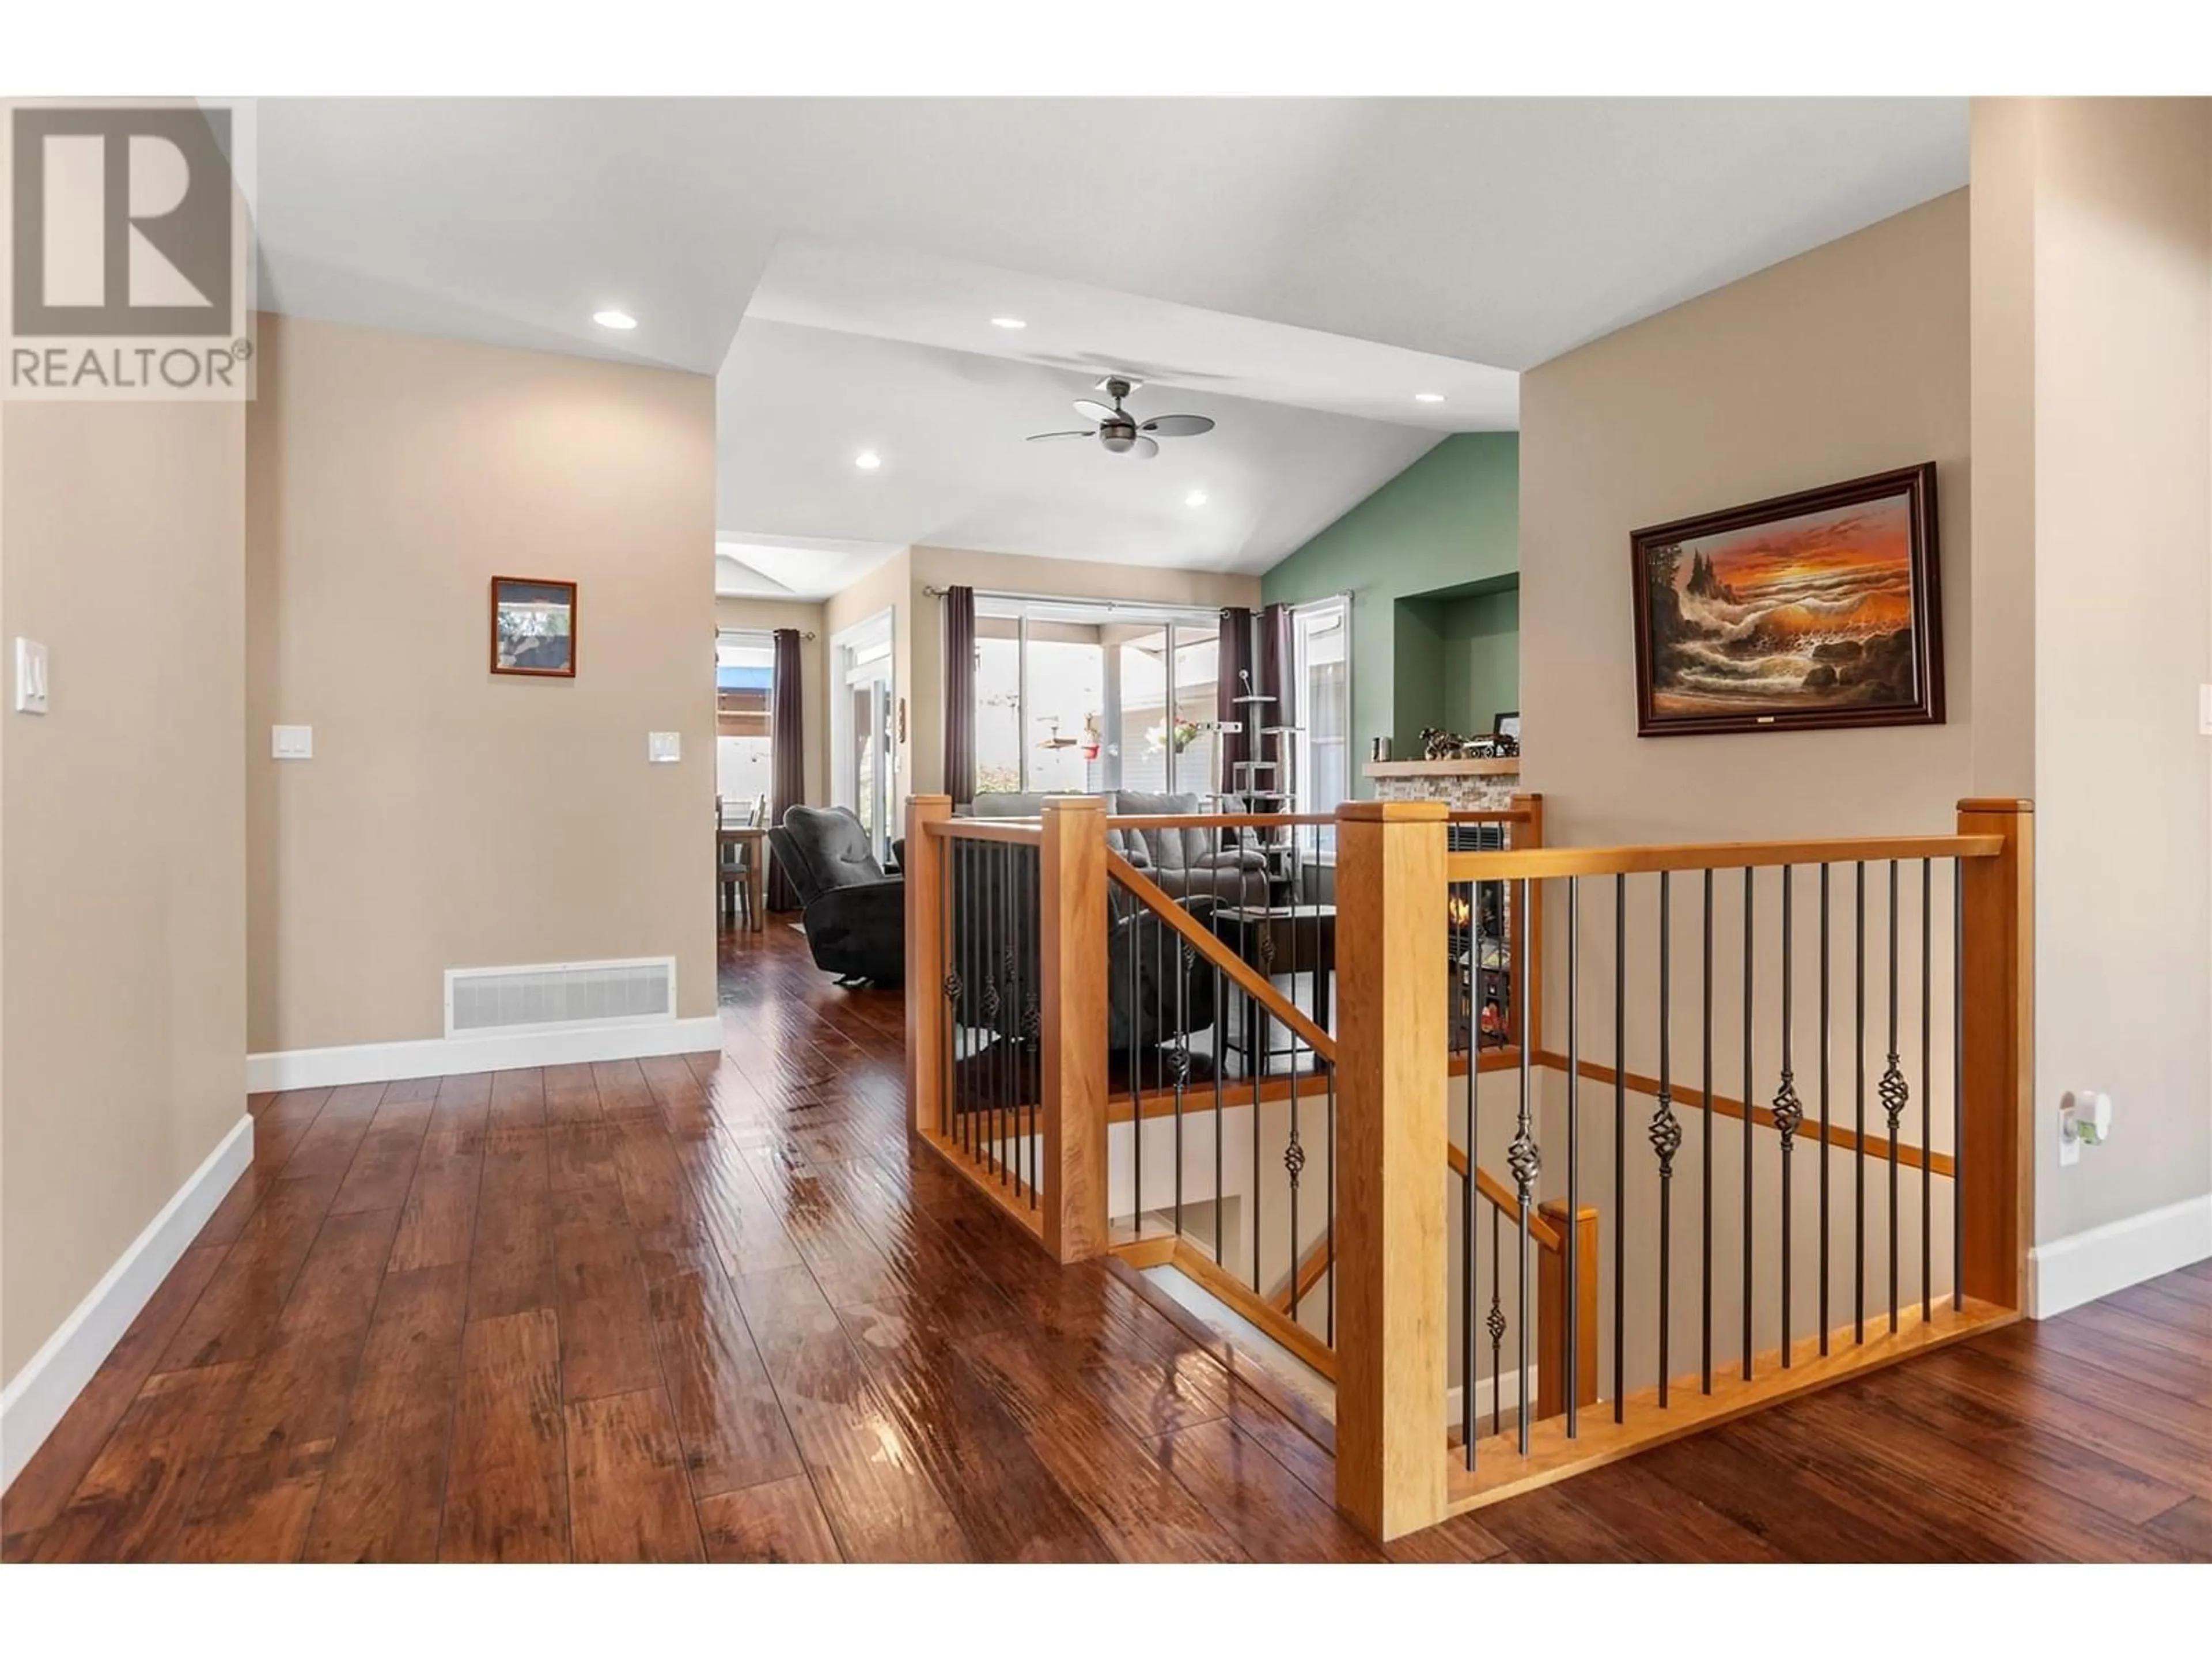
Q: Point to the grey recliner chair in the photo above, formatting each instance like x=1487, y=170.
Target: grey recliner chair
x=855, y=914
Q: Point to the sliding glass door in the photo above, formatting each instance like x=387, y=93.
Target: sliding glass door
x=1075, y=697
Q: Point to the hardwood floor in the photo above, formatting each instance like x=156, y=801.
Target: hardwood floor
x=716, y=1308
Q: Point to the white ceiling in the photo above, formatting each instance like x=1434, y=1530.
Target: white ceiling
x=798, y=404
x=793, y=567
x=901, y=296
x=1310, y=252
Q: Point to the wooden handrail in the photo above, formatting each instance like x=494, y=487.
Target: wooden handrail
x=1539, y=863
x=1201, y=940
x=1687, y=1098
x=1280, y=820
x=1539, y=1231
x=1027, y=832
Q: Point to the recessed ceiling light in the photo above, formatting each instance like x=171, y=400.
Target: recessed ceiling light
x=1196, y=498
x=1008, y=322
x=867, y=460
x=613, y=318
x=1428, y=397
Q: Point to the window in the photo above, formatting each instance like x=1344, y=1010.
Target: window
x=1322, y=637
x=744, y=702
x=1074, y=697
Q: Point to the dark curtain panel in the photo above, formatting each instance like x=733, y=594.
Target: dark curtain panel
x=788, y=741
x=960, y=694
x=1277, y=669
x=1236, y=661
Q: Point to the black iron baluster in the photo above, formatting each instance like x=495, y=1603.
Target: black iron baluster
x=1570, y=1266
x=1788, y=1112
x=1825, y=1044
x=1748, y=1097
x=948, y=984
x=1620, y=1147
x=1010, y=963
x=1665, y=1132
x=1524, y=1159
x=1858, y=1105
x=1256, y=1037
x=1218, y=1049
x=1927, y=1079
x=1958, y=1084
x=1184, y=957
x=1294, y=1165
x=1894, y=1094
x=1705, y=1119
x=1136, y=1046
x=1468, y=1289
x=1496, y=1325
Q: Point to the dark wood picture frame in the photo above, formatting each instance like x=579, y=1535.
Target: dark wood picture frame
x=565, y=671
x=1915, y=485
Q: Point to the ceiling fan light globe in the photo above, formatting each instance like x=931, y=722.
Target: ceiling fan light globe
x=1117, y=439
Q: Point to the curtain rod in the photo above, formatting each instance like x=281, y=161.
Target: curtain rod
x=1111, y=604
x=802, y=633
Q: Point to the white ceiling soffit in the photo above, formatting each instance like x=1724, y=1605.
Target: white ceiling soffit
x=1092, y=331
x=796, y=406
x=1498, y=231
x=793, y=567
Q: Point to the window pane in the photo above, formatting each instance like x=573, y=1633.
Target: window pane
x=1145, y=736
x=1197, y=664
x=997, y=704
x=1324, y=676
x=1067, y=680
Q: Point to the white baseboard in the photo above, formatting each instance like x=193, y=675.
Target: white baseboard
x=383, y=1062
x=1508, y=1386
x=37, y=1396
x=2082, y=1267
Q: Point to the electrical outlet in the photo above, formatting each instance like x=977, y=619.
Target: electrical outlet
x=2204, y=710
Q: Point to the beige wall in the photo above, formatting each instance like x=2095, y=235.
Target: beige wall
x=1848, y=360
x=948, y=567
x=451, y=818
x=813, y=688
x=122, y=873
x=2106, y=248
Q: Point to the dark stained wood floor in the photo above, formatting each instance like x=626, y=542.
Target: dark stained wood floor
x=716, y=1309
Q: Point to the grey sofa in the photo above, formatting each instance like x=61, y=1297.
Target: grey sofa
x=1187, y=864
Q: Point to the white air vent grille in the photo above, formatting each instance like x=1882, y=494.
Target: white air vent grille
x=559, y=996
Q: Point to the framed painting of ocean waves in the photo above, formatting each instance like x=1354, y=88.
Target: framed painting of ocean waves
x=1818, y=609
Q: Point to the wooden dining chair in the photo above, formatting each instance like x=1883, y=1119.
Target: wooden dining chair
x=736, y=868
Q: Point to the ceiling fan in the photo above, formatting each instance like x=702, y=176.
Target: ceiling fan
x=1120, y=432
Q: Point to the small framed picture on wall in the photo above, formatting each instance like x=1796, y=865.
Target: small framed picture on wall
x=534, y=628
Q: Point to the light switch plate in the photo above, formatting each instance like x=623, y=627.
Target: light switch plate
x=292, y=742
x=664, y=747
x=2204, y=710
x=30, y=677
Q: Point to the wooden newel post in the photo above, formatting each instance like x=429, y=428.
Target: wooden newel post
x=926, y=922
x=1392, y=1165
x=1072, y=950
x=1998, y=1020
x=1554, y=1309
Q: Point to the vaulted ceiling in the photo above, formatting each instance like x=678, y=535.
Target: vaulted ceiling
x=1297, y=268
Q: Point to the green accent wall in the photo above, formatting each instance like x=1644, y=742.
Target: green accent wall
x=1432, y=562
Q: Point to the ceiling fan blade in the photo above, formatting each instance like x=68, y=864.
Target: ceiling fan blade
x=1040, y=437
x=1144, y=447
x=1176, y=426
x=1091, y=408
